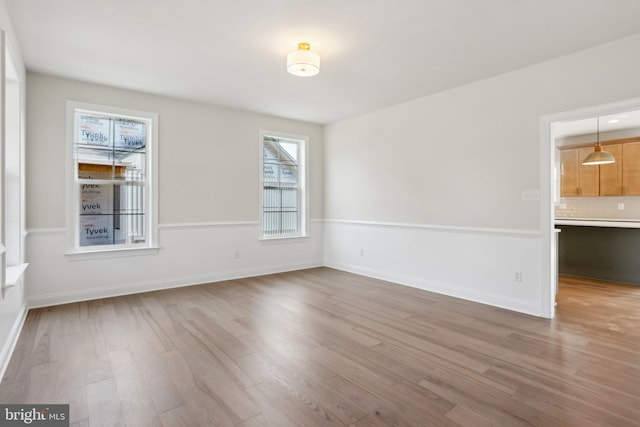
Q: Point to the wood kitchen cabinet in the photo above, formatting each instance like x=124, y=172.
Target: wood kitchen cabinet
x=611, y=174
x=631, y=169
x=576, y=179
x=588, y=176
x=568, y=173
x=621, y=178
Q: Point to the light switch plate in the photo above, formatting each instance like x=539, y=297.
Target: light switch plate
x=530, y=195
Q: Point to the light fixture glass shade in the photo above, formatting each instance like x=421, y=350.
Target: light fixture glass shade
x=598, y=157
x=303, y=62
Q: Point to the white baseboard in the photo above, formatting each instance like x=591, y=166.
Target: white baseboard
x=12, y=340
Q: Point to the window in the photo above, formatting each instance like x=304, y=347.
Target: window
x=283, y=186
x=12, y=213
x=113, y=201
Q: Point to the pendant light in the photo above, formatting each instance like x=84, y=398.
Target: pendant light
x=303, y=62
x=599, y=156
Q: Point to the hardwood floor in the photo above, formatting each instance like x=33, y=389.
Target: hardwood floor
x=322, y=347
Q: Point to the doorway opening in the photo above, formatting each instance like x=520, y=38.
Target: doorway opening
x=591, y=217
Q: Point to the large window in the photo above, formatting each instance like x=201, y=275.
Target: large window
x=283, y=186
x=112, y=204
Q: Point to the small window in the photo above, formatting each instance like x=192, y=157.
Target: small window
x=113, y=205
x=283, y=186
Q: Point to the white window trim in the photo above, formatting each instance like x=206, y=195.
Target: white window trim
x=303, y=171
x=12, y=168
x=151, y=245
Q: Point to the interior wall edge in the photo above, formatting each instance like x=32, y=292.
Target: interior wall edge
x=12, y=339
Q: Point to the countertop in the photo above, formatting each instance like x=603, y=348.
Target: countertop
x=590, y=222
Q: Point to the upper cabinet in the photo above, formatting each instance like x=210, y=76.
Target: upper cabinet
x=569, y=173
x=631, y=169
x=576, y=179
x=621, y=178
x=611, y=174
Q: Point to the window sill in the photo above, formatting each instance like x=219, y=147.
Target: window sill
x=111, y=253
x=284, y=238
x=15, y=273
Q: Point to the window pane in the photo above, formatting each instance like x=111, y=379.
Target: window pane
x=288, y=176
x=133, y=164
x=96, y=230
x=111, y=163
x=271, y=198
x=95, y=156
x=96, y=199
x=93, y=130
x=130, y=134
x=289, y=199
x=289, y=152
x=100, y=171
x=131, y=211
x=289, y=222
x=270, y=173
x=271, y=223
x=112, y=214
x=268, y=151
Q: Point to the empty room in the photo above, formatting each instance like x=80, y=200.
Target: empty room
x=331, y=213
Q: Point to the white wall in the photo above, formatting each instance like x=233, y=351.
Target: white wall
x=12, y=300
x=431, y=190
x=208, y=197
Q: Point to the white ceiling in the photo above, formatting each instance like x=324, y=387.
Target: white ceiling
x=375, y=53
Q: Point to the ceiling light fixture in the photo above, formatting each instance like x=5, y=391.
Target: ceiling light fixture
x=599, y=156
x=303, y=62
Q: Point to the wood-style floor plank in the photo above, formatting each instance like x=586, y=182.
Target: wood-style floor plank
x=105, y=406
x=322, y=347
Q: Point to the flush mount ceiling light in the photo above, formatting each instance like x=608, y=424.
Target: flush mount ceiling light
x=303, y=62
x=599, y=156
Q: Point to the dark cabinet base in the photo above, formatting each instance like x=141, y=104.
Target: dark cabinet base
x=611, y=254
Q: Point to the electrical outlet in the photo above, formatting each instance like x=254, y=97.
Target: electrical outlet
x=530, y=195
x=517, y=276
x=620, y=206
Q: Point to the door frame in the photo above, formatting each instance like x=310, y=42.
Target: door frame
x=549, y=257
